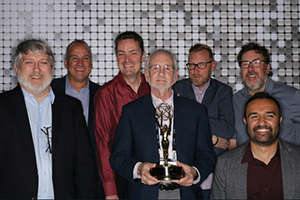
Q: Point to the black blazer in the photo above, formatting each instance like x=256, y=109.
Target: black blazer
x=60, y=84
x=136, y=140
x=74, y=171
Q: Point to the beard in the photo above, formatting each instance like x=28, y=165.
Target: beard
x=26, y=82
x=261, y=82
x=267, y=141
x=160, y=88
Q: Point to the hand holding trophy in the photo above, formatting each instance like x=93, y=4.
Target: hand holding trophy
x=165, y=172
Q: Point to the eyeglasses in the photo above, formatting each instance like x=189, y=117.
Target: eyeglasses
x=255, y=63
x=156, y=68
x=200, y=65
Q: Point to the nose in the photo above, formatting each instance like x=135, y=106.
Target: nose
x=127, y=58
x=161, y=70
x=36, y=67
x=80, y=62
x=250, y=68
x=261, y=120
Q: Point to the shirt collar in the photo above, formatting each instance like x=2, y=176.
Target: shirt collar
x=156, y=101
x=29, y=95
x=248, y=156
x=69, y=87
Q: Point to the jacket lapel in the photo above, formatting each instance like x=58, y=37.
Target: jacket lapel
x=57, y=110
x=288, y=164
x=20, y=113
x=209, y=93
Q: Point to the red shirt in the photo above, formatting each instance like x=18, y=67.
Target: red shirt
x=263, y=181
x=108, y=102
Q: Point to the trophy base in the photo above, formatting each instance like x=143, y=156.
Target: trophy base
x=167, y=173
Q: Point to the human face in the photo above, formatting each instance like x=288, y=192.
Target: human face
x=130, y=58
x=263, y=121
x=78, y=63
x=161, y=79
x=199, y=77
x=255, y=79
x=35, y=72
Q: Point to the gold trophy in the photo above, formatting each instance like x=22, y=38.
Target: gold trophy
x=165, y=172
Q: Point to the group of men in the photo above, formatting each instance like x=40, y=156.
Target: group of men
x=70, y=138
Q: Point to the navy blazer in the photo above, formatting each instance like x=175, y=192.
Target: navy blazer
x=136, y=141
x=218, y=100
x=73, y=163
x=60, y=84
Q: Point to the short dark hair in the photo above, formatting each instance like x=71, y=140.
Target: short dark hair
x=78, y=41
x=253, y=46
x=35, y=46
x=262, y=95
x=129, y=35
x=199, y=47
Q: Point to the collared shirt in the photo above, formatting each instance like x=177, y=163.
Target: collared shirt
x=109, y=101
x=83, y=95
x=40, y=119
x=199, y=94
x=263, y=181
x=288, y=98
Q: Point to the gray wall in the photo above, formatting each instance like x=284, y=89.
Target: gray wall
x=172, y=24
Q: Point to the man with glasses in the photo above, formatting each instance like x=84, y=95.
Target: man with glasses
x=139, y=145
x=216, y=96
x=254, y=61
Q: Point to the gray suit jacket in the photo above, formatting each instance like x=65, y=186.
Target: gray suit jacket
x=230, y=177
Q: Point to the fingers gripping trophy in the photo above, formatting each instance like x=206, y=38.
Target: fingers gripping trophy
x=165, y=172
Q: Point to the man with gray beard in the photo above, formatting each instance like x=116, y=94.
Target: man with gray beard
x=254, y=61
x=45, y=151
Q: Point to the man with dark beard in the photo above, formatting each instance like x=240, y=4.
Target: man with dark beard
x=265, y=167
x=45, y=151
x=254, y=61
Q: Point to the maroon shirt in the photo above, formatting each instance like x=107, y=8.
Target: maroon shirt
x=263, y=181
x=109, y=100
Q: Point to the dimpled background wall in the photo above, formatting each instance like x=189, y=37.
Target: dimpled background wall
x=172, y=24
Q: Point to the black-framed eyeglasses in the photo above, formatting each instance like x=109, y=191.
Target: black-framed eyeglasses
x=200, y=65
x=156, y=68
x=255, y=63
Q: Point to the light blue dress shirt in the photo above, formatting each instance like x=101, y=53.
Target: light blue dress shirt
x=83, y=95
x=40, y=119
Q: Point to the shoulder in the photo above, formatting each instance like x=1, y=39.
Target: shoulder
x=181, y=84
x=93, y=84
x=191, y=105
x=107, y=88
x=291, y=148
x=282, y=89
x=234, y=155
x=58, y=83
x=220, y=85
x=66, y=100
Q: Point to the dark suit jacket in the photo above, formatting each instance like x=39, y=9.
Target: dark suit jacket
x=230, y=177
x=136, y=141
x=73, y=162
x=218, y=100
x=60, y=84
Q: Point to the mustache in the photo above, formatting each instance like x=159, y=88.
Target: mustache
x=262, y=127
x=251, y=73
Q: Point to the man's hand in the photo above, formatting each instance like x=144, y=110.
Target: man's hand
x=144, y=171
x=112, y=197
x=190, y=174
x=222, y=142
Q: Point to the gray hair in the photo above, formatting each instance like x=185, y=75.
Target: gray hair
x=35, y=46
x=168, y=52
